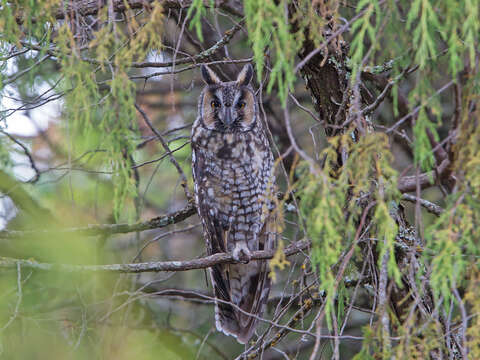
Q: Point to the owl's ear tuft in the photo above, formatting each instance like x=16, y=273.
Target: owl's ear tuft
x=245, y=76
x=209, y=76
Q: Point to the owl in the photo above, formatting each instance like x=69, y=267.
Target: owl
x=234, y=188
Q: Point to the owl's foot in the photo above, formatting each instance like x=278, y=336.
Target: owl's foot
x=241, y=253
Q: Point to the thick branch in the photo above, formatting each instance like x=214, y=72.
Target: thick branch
x=196, y=58
x=21, y=198
x=202, y=263
x=409, y=183
x=429, y=206
x=90, y=7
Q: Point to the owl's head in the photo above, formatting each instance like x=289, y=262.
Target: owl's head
x=228, y=106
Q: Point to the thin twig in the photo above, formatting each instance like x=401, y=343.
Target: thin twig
x=373, y=106
x=35, y=178
x=19, y=298
x=196, y=58
x=23, y=72
x=109, y=229
x=303, y=154
x=168, y=151
x=417, y=109
x=193, y=66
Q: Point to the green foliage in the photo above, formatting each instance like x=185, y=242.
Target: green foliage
x=364, y=32
x=439, y=37
x=424, y=31
x=454, y=237
x=423, y=155
x=73, y=328
x=472, y=297
x=470, y=27
x=42, y=11
x=107, y=116
x=270, y=33
x=322, y=208
x=370, y=345
x=386, y=232
x=428, y=23
x=448, y=263
x=329, y=202
x=198, y=10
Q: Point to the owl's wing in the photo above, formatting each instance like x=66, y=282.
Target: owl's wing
x=215, y=236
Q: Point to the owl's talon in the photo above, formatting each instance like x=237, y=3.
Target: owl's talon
x=242, y=254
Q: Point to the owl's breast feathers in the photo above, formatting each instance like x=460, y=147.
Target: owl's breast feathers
x=233, y=175
x=234, y=182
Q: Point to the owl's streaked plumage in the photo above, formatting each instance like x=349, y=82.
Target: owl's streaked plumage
x=233, y=175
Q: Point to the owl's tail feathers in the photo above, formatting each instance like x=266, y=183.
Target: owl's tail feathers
x=240, y=320
x=226, y=321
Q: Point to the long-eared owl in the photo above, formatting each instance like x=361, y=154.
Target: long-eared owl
x=234, y=189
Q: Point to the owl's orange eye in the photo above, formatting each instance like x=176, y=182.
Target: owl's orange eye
x=241, y=104
x=214, y=104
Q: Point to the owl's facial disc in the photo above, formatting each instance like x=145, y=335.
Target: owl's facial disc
x=233, y=110
x=228, y=108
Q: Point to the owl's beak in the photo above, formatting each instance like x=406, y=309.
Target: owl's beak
x=228, y=117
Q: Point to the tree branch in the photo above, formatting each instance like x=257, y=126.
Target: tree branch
x=21, y=198
x=27, y=152
x=201, y=263
x=168, y=152
x=198, y=57
x=110, y=229
x=431, y=207
x=228, y=35
x=409, y=183
x=90, y=7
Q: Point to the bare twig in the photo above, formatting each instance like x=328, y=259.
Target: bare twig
x=417, y=109
x=35, y=178
x=373, y=106
x=168, y=151
x=198, y=57
x=19, y=74
x=193, y=66
x=464, y=327
x=19, y=299
x=383, y=302
x=300, y=314
x=303, y=154
x=110, y=229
